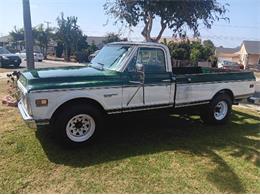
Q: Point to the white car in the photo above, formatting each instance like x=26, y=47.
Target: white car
x=38, y=57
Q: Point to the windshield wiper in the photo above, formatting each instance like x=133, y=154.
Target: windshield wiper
x=96, y=67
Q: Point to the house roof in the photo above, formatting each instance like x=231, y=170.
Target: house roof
x=5, y=39
x=227, y=50
x=252, y=47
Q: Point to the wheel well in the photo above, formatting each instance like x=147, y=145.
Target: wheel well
x=75, y=102
x=226, y=91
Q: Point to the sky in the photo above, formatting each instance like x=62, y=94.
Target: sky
x=244, y=19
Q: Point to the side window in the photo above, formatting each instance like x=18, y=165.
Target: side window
x=153, y=60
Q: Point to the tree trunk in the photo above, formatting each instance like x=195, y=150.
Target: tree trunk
x=148, y=27
x=163, y=27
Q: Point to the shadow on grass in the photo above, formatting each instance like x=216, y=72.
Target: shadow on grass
x=136, y=135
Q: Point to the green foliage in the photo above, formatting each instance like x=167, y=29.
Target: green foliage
x=42, y=37
x=17, y=36
x=175, y=15
x=82, y=56
x=112, y=37
x=179, y=51
x=195, y=55
x=194, y=52
x=59, y=49
x=70, y=35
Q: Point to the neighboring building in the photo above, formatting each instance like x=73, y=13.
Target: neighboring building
x=5, y=40
x=248, y=54
x=228, y=54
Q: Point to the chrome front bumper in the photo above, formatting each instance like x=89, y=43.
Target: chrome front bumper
x=29, y=120
x=26, y=117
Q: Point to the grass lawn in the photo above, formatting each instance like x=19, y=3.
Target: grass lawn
x=148, y=154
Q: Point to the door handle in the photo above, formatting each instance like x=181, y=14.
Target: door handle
x=135, y=82
x=166, y=80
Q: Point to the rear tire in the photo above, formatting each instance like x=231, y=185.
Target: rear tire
x=77, y=125
x=218, y=111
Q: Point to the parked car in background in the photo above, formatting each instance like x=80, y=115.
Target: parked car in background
x=38, y=57
x=7, y=58
x=229, y=65
x=91, y=56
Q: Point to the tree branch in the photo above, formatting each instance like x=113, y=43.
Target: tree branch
x=163, y=27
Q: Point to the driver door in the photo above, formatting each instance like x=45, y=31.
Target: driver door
x=153, y=88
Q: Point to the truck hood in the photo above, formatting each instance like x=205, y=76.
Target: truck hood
x=68, y=77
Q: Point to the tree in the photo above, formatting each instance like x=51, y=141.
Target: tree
x=69, y=34
x=112, y=37
x=42, y=37
x=209, y=48
x=175, y=15
x=17, y=36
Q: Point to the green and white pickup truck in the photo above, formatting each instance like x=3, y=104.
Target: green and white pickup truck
x=126, y=77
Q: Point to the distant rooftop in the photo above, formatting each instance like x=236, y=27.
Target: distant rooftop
x=5, y=39
x=252, y=47
x=227, y=50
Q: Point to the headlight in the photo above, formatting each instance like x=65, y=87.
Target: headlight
x=5, y=58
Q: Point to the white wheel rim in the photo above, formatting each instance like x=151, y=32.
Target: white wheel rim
x=80, y=128
x=221, y=110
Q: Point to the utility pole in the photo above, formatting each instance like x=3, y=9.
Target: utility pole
x=28, y=34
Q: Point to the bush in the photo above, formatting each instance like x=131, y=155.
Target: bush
x=12, y=85
x=82, y=56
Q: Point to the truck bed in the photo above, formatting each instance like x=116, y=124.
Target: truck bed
x=199, y=74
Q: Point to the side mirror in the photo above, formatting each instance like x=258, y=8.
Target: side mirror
x=139, y=67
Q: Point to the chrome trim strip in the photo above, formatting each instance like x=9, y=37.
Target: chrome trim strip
x=75, y=89
x=198, y=74
x=213, y=82
x=191, y=104
x=245, y=96
x=136, y=109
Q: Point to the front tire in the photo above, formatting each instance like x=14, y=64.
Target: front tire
x=218, y=111
x=78, y=124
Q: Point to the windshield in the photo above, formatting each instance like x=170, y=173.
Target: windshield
x=4, y=51
x=110, y=57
